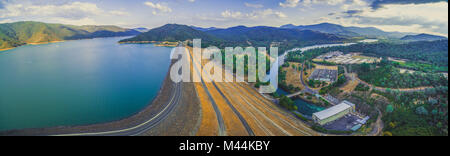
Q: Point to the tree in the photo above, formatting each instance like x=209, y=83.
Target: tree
x=390, y=108
x=421, y=110
x=387, y=133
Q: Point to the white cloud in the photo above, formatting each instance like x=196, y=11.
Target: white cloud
x=328, y=2
x=418, y=18
x=75, y=13
x=159, y=7
x=251, y=5
x=232, y=14
x=289, y=3
x=74, y=10
x=253, y=15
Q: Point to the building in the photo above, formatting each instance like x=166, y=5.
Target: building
x=324, y=75
x=334, y=113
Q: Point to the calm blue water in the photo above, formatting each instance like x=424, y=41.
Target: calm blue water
x=304, y=107
x=281, y=92
x=307, y=108
x=78, y=82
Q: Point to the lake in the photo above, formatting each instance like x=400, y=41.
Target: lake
x=78, y=82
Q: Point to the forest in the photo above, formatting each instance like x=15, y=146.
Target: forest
x=387, y=76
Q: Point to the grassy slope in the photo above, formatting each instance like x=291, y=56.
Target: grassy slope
x=19, y=33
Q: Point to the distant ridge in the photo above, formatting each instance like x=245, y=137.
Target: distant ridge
x=348, y=31
x=423, y=37
x=204, y=29
x=20, y=33
x=141, y=29
x=172, y=32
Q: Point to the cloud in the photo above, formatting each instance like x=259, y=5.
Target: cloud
x=119, y=13
x=376, y=4
x=253, y=5
x=74, y=10
x=289, y=3
x=75, y=13
x=351, y=13
x=424, y=18
x=253, y=15
x=232, y=14
x=159, y=7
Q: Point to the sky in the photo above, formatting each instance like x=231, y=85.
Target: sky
x=418, y=16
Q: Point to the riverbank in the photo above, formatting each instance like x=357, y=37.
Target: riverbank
x=34, y=43
x=175, y=125
x=40, y=43
x=5, y=49
x=157, y=43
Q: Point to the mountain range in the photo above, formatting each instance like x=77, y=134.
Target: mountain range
x=422, y=37
x=237, y=36
x=370, y=32
x=21, y=33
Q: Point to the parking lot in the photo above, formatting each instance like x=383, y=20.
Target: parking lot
x=345, y=123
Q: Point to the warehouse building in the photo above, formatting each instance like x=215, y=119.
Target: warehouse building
x=334, y=113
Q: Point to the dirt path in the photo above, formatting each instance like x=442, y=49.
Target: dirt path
x=379, y=126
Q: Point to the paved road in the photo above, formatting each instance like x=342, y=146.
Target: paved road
x=306, y=89
x=147, y=124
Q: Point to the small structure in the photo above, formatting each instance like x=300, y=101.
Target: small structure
x=333, y=113
x=324, y=75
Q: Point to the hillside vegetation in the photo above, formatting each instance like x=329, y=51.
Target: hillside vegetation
x=238, y=36
x=20, y=33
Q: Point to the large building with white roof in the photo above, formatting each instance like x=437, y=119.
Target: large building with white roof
x=333, y=113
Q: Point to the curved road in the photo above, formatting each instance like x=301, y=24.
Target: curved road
x=306, y=89
x=146, y=125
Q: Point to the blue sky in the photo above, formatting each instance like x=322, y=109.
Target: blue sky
x=420, y=16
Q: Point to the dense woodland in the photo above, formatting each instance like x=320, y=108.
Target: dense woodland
x=423, y=55
x=417, y=113
x=387, y=76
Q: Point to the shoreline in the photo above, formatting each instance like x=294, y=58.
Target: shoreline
x=40, y=43
x=151, y=109
x=156, y=43
x=32, y=43
x=5, y=49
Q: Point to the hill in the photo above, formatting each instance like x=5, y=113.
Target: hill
x=267, y=35
x=348, y=31
x=141, y=29
x=237, y=36
x=204, y=29
x=423, y=37
x=173, y=33
x=20, y=33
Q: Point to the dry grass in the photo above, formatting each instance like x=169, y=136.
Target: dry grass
x=233, y=125
x=285, y=120
x=326, y=67
x=350, y=86
x=254, y=119
x=293, y=75
x=263, y=116
x=209, y=125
